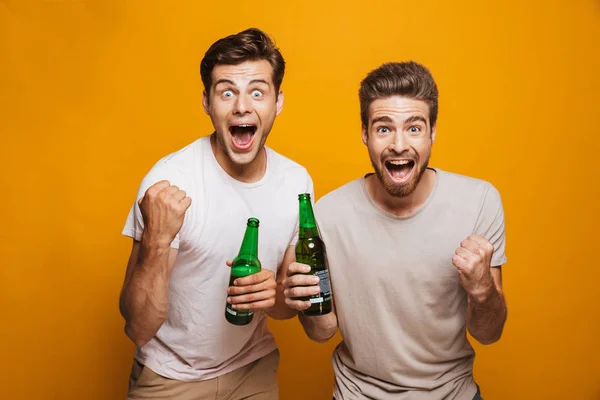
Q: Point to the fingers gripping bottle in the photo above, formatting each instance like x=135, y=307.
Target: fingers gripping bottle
x=246, y=263
x=311, y=251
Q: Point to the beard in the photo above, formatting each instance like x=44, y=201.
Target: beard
x=404, y=189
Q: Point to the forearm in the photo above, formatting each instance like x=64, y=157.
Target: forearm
x=486, y=316
x=319, y=328
x=144, y=301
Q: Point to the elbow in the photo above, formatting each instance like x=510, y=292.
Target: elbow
x=488, y=339
x=320, y=339
x=141, y=330
x=321, y=336
x=138, y=338
x=319, y=328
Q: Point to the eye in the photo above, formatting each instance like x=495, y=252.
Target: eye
x=414, y=129
x=383, y=129
x=257, y=93
x=228, y=94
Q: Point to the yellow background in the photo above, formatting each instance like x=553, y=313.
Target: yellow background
x=92, y=93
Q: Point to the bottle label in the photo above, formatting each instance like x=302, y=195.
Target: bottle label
x=325, y=287
x=324, y=283
x=310, y=251
x=241, y=313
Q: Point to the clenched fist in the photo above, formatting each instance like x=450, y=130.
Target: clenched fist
x=473, y=261
x=163, y=207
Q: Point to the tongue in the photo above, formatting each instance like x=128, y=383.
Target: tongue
x=400, y=171
x=242, y=136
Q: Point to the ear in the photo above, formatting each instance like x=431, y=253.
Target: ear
x=205, y=102
x=433, y=134
x=365, y=135
x=279, y=101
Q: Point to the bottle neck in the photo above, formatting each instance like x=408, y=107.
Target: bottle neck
x=304, y=233
x=250, y=242
x=307, y=223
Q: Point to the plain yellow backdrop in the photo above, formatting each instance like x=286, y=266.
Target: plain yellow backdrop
x=92, y=93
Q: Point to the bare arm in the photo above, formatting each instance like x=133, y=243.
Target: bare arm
x=487, y=314
x=319, y=328
x=144, y=297
x=486, y=310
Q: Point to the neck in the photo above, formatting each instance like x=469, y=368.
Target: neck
x=401, y=206
x=248, y=173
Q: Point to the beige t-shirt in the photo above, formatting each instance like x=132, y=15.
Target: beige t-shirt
x=196, y=342
x=400, y=306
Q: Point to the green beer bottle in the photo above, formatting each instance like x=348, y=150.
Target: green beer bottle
x=310, y=251
x=246, y=263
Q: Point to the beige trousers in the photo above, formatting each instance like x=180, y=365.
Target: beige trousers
x=255, y=381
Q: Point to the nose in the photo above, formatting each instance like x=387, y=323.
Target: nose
x=242, y=105
x=398, y=143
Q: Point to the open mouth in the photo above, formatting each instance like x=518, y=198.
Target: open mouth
x=242, y=136
x=400, y=170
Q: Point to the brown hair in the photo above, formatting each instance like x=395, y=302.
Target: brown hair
x=249, y=45
x=406, y=79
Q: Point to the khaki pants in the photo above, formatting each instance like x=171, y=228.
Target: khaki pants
x=255, y=381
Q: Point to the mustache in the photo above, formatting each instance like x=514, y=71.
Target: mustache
x=411, y=155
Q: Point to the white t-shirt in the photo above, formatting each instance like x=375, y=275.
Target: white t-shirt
x=196, y=342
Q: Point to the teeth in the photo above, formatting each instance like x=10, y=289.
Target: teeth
x=399, y=162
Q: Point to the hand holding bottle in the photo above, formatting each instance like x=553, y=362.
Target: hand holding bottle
x=298, y=285
x=253, y=291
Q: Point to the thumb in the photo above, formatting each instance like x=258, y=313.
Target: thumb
x=229, y=263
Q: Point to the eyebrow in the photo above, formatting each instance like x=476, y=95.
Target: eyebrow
x=224, y=81
x=415, y=118
x=230, y=82
x=254, y=81
x=383, y=118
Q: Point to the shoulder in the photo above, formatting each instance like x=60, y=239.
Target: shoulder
x=340, y=200
x=287, y=168
x=177, y=167
x=182, y=159
x=464, y=187
x=471, y=195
